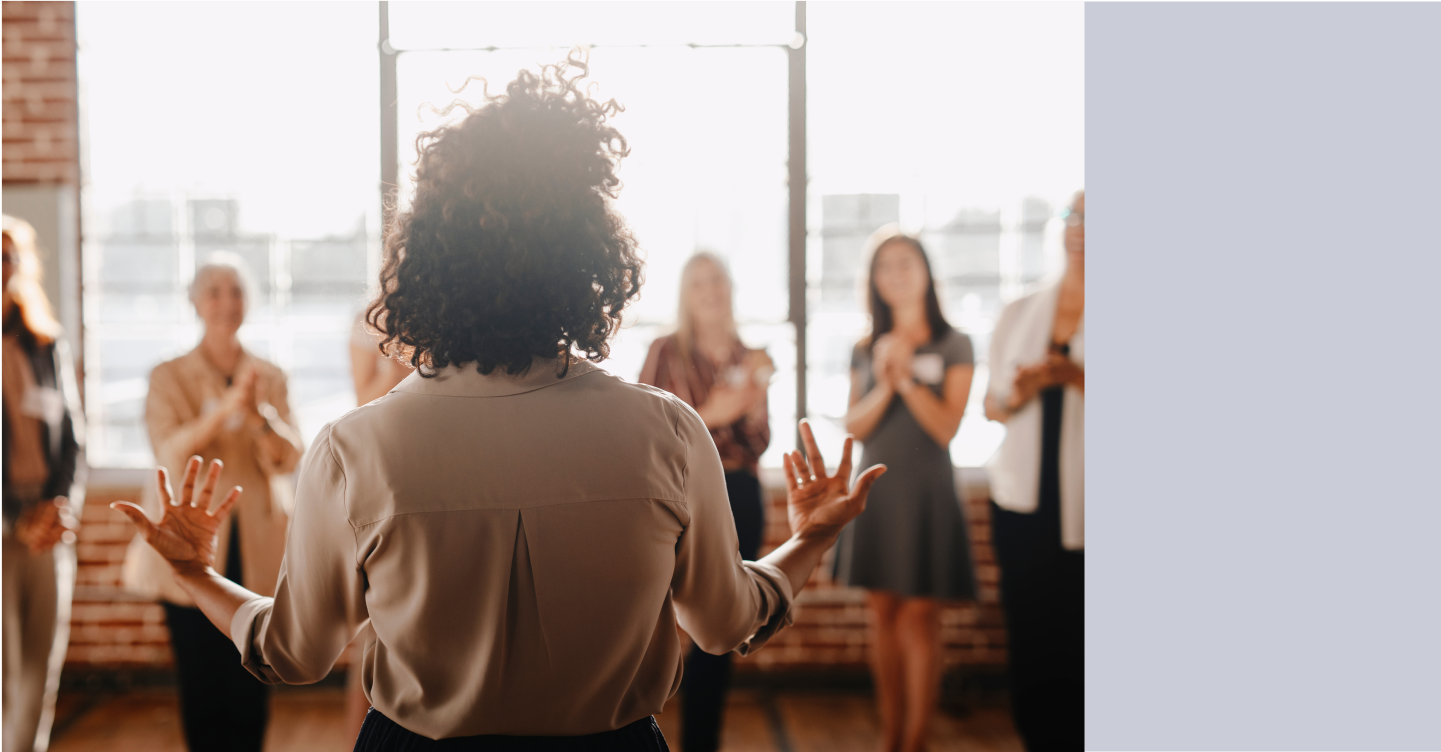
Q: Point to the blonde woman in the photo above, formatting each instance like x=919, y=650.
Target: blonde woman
x=221, y=401
x=705, y=364
x=44, y=489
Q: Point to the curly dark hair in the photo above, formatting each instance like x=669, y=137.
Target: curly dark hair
x=512, y=248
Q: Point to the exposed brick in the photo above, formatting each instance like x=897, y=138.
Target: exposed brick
x=41, y=132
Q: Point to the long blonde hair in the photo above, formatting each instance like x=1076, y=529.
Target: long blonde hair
x=685, y=319
x=25, y=288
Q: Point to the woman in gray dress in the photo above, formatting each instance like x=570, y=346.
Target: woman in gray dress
x=910, y=379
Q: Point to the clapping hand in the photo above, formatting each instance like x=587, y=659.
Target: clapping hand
x=819, y=504
x=1054, y=370
x=891, y=361
x=185, y=535
x=239, y=397
x=42, y=526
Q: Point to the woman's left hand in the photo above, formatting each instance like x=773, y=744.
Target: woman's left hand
x=1062, y=370
x=186, y=533
x=819, y=504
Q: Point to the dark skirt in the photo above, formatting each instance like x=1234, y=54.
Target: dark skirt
x=912, y=539
x=380, y=734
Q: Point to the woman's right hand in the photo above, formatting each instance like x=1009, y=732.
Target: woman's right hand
x=185, y=536
x=818, y=504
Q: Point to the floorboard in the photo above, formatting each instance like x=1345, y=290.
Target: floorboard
x=312, y=720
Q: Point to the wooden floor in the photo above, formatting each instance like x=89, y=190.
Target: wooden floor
x=310, y=720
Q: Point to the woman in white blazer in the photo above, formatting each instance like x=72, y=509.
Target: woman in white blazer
x=1038, y=390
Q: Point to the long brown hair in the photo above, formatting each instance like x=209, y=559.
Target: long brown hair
x=883, y=318
x=685, y=319
x=25, y=288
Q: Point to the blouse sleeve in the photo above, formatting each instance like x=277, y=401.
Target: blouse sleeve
x=724, y=603
x=996, y=386
x=957, y=350
x=319, y=603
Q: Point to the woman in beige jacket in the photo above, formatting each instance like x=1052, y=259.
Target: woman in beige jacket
x=221, y=401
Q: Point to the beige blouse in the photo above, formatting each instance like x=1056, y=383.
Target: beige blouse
x=522, y=549
x=182, y=390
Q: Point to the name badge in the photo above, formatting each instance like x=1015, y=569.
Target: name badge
x=928, y=368
x=43, y=403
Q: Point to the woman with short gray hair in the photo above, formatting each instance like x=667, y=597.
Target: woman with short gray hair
x=221, y=401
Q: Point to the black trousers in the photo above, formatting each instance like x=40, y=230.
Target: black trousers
x=380, y=734
x=1043, y=592
x=707, y=677
x=223, y=707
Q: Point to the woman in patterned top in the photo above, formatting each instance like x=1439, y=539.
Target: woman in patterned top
x=705, y=364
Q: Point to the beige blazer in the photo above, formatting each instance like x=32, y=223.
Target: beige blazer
x=182, y=390
x=521, y=549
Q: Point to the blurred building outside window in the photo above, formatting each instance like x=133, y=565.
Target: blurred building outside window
x=224, y=127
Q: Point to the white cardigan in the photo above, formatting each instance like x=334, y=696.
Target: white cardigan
x=1021, y=338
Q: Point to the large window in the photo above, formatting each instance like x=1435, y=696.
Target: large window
x=963, y=122
x=224, y=127
x=706, y=126
x=255, y=129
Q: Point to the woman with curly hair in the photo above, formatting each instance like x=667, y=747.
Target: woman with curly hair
x=519, y=530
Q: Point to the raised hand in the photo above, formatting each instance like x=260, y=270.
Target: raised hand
x=185, y=535
x=821, y=504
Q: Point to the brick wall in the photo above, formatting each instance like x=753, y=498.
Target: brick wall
x=113, y=631
x=108, y=628
x=41, y=136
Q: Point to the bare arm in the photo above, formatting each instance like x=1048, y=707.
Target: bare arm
x=940, y=417
x=867, y=410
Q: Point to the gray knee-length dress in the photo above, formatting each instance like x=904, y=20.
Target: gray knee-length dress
x=912, y=539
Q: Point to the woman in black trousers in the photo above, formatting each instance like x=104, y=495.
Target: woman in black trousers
x=1038, y=389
